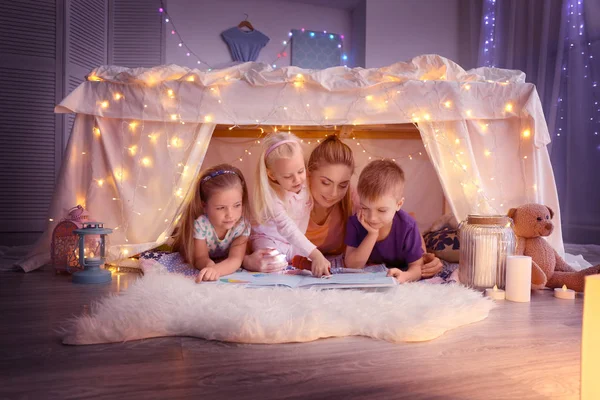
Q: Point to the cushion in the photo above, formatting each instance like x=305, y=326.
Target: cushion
x=443, y=243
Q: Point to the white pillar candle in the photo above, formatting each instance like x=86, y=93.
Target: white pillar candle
x=564, y=293
x=486, y=261
x=590, y=346
x=495, y=293
x=518, y=278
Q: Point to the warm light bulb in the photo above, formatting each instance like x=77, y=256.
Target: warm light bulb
x=369, y=98
x=467, y=87
x=175, y=142
x=96, y=131
x=487, y=153
x=469, y=113
x=146, y=161
x=526, y=133
x=190, y=79
x=104, y=104
x=133, y=150
x=508, y=107
x=457, y=141
x=427, y=117
x=448, y=104
x=100, y=182
x=133, y=125
x=207, y=118
x=173, y=117
x=118, y=96
x=170, y=93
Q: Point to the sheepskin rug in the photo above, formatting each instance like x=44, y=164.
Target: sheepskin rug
x=159, y=305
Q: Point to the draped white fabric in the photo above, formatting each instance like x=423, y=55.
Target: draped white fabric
x=131, y=177
x=484, y=131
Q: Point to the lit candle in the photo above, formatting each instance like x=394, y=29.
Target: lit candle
x=564, y=293
x=590, y=346
x=495, y=293
x=486, y=261
x=518, y=279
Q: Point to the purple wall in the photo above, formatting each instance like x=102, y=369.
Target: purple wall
x=400, y=30
x=200, y=23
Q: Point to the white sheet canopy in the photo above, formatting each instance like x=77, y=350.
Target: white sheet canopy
x=141, y=134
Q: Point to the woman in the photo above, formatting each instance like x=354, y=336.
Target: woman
x=330, y=168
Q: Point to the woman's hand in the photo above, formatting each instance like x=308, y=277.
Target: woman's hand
x=431, y=266
x=320, y=265
x=262, y=261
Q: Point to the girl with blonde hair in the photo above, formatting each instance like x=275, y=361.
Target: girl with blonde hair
x=282, y=202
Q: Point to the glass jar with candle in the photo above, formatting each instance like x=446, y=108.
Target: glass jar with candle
x=485, y=242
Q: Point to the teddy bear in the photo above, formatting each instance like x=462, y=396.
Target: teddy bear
x=531, y=223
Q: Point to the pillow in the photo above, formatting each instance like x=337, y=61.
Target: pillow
x=443, y=243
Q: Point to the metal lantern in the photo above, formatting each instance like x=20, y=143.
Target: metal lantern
x=92, y=253
x=65, y=241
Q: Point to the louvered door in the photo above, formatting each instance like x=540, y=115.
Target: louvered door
x=86, y=43
x=30, y=86
x=136, y=36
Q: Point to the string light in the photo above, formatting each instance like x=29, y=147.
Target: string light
x=489, y=33
x=283, y=53
x=576, y=50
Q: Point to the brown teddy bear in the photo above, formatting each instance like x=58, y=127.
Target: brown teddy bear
x=531, y=222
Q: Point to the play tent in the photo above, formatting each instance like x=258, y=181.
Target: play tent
x=140, y=136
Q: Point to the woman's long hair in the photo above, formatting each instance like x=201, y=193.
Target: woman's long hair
x=332, y=151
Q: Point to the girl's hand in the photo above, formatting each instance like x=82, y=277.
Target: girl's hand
x=262, y=261
x=369, y=228
x=320, y=265
x=208, y=273
x=399, y=275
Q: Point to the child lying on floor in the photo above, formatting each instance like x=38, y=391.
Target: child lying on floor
x=214, y=228
x=381, y=232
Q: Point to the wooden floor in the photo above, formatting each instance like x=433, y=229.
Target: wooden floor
x=522, y=351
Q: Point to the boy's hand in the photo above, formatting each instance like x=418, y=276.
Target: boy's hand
x=399, y=275
x=320, y=265
x=431, y=265
x=369, y=228
x=208, y=273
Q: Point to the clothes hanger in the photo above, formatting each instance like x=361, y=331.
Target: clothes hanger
x=246, y=23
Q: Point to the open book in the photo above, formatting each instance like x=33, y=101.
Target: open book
x=304, y=279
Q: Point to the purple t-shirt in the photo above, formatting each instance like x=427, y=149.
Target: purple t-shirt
x=401, y=247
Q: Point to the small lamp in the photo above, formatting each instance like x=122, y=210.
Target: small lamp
x=590, y=345
x=64, y=259
x=92, y=257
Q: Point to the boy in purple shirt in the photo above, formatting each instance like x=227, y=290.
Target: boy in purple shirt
x=381, y=232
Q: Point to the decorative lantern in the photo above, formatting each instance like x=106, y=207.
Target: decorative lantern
x=92, y=253
x=485, y=242
x=64, y=241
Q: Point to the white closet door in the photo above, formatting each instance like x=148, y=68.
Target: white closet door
x=86, y=23
x=136, y=33
x=30, y=86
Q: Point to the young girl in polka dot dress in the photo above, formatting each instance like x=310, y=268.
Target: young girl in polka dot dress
x=215, y=227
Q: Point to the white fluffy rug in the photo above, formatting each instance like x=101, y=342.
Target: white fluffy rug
x=171, y=305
